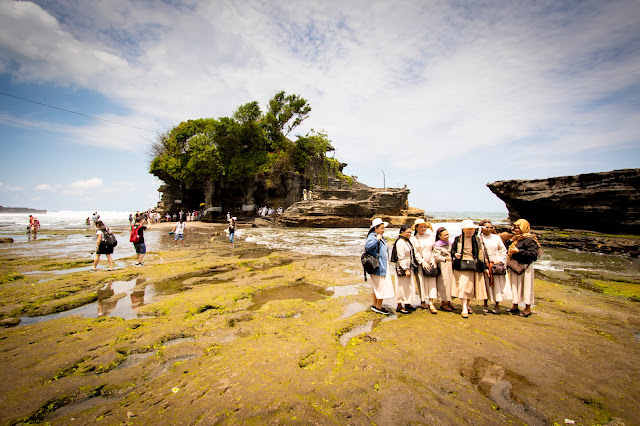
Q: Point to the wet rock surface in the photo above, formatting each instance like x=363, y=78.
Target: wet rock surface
x=264, y=338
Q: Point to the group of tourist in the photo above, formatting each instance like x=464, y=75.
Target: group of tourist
x=474, y=266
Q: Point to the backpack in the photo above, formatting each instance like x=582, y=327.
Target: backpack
x=109, y=239
x=134, y=237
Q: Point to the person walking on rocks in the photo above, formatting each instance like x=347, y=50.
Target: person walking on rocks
x=381, y=285
x=403, y=254
x=178, y=233
x=524, y=249
x=138, y=242
x=102, y=246
x=232, y=229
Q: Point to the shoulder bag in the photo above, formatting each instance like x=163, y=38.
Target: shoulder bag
x=430, y=270
x=516, y=266
x=370, y=262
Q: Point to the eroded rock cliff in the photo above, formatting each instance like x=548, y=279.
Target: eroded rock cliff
x=605, y=202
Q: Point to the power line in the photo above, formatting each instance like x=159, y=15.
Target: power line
x=75, y=112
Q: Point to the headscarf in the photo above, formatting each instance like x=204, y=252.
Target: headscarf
x=524, y=226
x=438, y=241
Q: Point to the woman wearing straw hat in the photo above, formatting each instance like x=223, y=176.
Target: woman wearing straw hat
x=422, y=241
x=467, y=252
x=381, y=285
x=523, y=248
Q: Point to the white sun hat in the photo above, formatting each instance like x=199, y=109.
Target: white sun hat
x=377, y=221
x=468, y=224
x=418, y=221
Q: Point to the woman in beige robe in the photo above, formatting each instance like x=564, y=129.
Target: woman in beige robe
x=445, y=282
x=405, y=271
x=470, y=283
x=423, y=245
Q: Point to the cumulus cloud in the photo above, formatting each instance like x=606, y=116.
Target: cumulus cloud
x=87, y=184
x=45, y=187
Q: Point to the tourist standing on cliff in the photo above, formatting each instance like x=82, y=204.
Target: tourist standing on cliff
x=381, y=285
x=496, y=254
x=468, y=266
x=523, y=249
x=423, y=244
x=141, y=248
x=403, y=254
x=445, y=282
x=101, y=246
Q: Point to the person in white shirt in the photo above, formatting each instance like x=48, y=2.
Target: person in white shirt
x=497, y=253
x=179, y=233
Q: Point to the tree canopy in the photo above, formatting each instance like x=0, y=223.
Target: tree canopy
x=244, y=145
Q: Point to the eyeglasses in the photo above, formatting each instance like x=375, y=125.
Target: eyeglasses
x=488, y=227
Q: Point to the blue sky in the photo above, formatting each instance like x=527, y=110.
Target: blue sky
x=444, y=96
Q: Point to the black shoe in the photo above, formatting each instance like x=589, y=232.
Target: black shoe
x=385, y=311
x=403, y=311
x=409, y=308
x=376, y=310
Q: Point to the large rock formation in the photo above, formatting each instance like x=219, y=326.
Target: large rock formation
x=351, y=207
x=605, y=202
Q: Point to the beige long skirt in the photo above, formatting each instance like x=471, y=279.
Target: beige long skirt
x=405, y=289
x=470, y=285
x=522, y=286
x=427, y=287
x=445, y=282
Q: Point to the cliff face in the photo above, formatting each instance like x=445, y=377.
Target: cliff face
x=352, y=207
x=605, y=202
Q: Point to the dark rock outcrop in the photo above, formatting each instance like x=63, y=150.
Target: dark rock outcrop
x=5, y=240
x=605, y=202
x=351, y=208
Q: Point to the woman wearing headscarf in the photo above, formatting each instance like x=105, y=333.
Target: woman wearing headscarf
x=468, y=266
x=523, y=248
x=422, y=240
x=381, y=285
x=445, y=282
x=497, y=255
x=406, y=267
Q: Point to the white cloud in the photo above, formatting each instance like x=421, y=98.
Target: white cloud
x=87, y=184
x=45, y=187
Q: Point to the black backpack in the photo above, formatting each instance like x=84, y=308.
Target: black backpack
x=108, y=239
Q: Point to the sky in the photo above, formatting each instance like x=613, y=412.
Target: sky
x=441, y=96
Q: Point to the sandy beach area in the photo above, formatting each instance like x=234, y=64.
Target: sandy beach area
x=252, y=335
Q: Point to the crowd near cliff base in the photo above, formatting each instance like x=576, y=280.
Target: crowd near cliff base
x=209, y=334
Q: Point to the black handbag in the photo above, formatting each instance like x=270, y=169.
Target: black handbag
x=431, y=271
x=468, y=265
x=369, y=262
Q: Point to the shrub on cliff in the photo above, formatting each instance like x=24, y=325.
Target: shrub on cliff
x=248, y=144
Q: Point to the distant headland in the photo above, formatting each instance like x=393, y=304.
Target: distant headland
x=20, y=210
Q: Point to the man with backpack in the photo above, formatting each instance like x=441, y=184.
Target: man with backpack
x=137, y=238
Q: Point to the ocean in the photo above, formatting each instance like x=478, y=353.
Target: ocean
x=320, y=241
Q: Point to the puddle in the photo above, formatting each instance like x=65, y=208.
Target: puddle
x=370, y=325
x=352, y=271
x=346, y=290
x=353, y=308
x=115, y=299
x=178, y=341
x=637, y=336
x=304, y=291
x=134, y=359
x=176, y=285
x=166, y=366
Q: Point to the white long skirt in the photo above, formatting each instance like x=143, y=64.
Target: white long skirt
x=382, y=286
x=497, y=293
x=522, y=286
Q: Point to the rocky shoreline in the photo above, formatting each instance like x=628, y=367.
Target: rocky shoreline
x=253, y=335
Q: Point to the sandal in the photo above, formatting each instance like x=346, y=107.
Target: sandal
x=403, y=311
x=513, y=311
x=433, y=309
x=525, y=314
x=446, y=308
x=465, y=315
x=495, y=312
